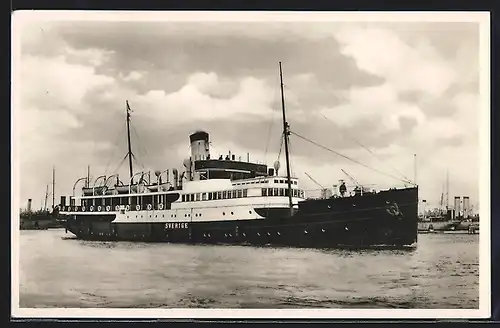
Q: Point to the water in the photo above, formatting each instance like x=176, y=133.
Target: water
x=442, y=272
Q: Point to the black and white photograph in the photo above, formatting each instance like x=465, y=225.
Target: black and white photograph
x=250, y=164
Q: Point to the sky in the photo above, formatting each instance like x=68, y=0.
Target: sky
x=376, y=92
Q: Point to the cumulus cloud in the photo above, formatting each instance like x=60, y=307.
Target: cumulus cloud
x=378, y=93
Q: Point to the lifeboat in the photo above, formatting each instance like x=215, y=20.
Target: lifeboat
x=87, y=191
x=162, y=187
x=121, y=189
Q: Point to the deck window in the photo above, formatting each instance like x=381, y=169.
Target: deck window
x=204, y=196
x=245, y=192
x=230, y=194
x=282, y=192
x=183, y=198
x=276, y=181
x=191, y=197
x=123, y=200
x=197, y=197
x=276, y=192
x=269, y=191
x=224, y=195
x=219, y=195
x=115, y=201
x=240, y=193
x=264, y=192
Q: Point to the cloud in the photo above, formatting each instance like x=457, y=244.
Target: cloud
x=387, y=91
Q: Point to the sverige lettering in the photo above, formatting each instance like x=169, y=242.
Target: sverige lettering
x=176, y=225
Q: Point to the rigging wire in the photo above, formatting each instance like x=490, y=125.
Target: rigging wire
x=121, y=163
x=141, y=148
x=114, y=151
x=346, y=157
x=405, y=179
x=368, y=150
x=281, y=147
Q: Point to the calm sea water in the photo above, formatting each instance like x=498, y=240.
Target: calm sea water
x=442, y=272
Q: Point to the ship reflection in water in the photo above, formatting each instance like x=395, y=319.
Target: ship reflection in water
x=442, y=272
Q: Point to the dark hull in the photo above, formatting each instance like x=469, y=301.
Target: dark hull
x=38, y=221
x=386, y=218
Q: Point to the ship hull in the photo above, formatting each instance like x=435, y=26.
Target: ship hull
x=383, y=219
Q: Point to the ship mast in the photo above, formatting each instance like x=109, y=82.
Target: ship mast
x=46, y=195
x=286, y=133
x=129, y=145
x=53, y=187
x=447, y=189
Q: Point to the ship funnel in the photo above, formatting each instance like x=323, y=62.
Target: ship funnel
x=200, y=148
x=466, y=208
x=457, y=206
x=277, y=166
x=29, y=205
x=176, y=176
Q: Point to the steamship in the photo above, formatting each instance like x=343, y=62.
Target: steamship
x=226, y=200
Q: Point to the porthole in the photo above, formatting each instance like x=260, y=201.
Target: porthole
x=249, y=212
x=223, y=213
x=232, y=213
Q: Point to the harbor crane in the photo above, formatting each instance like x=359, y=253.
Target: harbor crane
x=324, y=191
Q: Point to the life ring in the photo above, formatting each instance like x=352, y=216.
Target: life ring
x=137, y=207
x=150, y=207
x=117, y=208
x=99, y=208
x=127, y=207
x=83, y=208
x=160, y=206
x=108, y=208
x=91, y=208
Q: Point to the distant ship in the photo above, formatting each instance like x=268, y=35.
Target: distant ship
x=230, y=201
x=40, y=219
x=444, y=218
